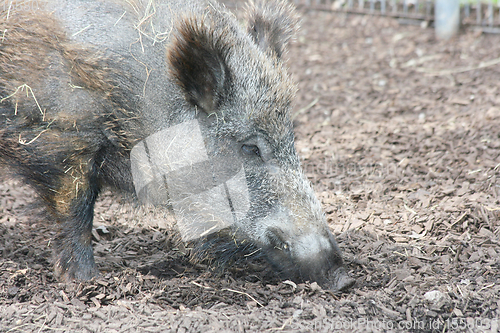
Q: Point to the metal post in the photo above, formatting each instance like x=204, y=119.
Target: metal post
x=478, y=12
x=447, y=18
x=490, y=13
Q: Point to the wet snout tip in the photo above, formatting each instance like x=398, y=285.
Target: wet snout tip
x=340, y=281
x=345, y=282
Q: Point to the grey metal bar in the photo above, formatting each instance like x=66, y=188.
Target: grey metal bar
x=478, y=12
x=490, y=13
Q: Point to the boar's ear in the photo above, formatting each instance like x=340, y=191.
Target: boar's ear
x=271, y=24
x=198, y=62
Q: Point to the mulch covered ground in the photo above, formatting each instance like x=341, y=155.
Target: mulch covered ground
x=400, y=135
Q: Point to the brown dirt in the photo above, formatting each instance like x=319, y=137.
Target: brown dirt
x=400, y=135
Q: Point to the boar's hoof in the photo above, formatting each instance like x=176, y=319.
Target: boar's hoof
x=71, y=267
x=339, y=280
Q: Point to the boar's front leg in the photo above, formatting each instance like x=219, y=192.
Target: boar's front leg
x=64, y=168
x=72, y=203
x=73, y=248
x=64, y=172
x=68, y=173
x=85, y=172
x=67, y=182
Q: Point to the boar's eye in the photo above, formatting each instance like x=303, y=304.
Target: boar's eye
x=277, y=240
x=251, y=150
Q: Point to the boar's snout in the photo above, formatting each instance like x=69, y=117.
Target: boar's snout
x=308, y=257
x=337, y=279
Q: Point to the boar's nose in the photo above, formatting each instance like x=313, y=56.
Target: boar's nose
x=310, y=256
x=338, y=279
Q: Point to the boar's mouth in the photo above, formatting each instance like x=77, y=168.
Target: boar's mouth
x=325, y=267
x=225, y=248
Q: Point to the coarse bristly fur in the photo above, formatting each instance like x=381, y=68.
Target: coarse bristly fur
x=83, y=81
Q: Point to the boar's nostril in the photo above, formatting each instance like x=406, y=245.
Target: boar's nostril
x=339, y=280
x=276, y=238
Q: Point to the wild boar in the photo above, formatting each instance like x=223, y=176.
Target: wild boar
x=92, y=90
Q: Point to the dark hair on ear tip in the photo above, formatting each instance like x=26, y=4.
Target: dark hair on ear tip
x=271, y=24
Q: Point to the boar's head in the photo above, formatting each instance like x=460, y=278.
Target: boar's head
x=237, y=83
